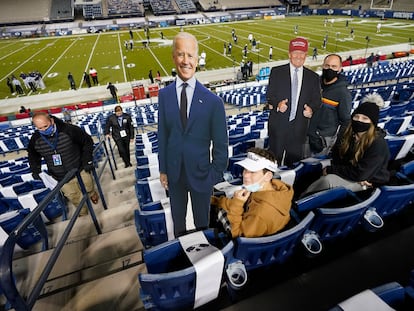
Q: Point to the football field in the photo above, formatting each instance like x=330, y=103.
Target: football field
x=55, y=57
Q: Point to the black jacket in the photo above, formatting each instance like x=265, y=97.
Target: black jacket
x=334, y=111
x=372, y=167
x=74, y=146
x=113, y=125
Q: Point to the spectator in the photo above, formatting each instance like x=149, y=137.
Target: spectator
x=335, y=112
x=64, y=147
x=22, y=109
x=360, y=157
x=262, y=206
x=119, y=126
x=294, y=94
x=192, y=138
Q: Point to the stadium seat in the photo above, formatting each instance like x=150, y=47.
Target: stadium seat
x=273, y=249
x=393, y=199
x=149, y=190
x=10, y=220
x=336, y=217
x=385, y=297
x=151, y=227
x=170, y=283
x=399, y=146
x=406, y=172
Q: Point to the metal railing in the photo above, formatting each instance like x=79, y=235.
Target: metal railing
x=7, y=283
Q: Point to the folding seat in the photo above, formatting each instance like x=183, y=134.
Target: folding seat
x=151, y=226
x=32, y=234
x=393, y=199
x=399, y=146
x=184, y=273
x=273, y=249
x=338, y=211
x=149, y=190
x=406, y=172
x=397, y=125
x=381, y=298
x=151, y=159
x=147, y=171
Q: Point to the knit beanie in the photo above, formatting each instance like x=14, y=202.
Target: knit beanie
x=371, y=110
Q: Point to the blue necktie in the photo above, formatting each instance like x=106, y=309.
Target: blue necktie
x=294, y=93
x=120, y=121
x=183, y=105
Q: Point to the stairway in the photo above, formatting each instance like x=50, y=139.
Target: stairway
x=93, y=272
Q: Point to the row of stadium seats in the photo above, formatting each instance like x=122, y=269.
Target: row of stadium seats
x=322, y=217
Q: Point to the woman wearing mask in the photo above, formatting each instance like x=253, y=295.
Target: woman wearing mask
x=262, y=206
x=360, y=157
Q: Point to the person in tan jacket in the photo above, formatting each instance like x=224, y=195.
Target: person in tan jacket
x=262, y=206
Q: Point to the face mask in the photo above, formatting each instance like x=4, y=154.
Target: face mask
x=329, y=74
x=49, y=131
x=358, y=126
x=253, y=187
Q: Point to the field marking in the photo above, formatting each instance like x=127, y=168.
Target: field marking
x=27, y=60
x=122, y=57
x=58, y=59
x=90, y=57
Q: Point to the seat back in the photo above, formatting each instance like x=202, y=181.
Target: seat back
x=332, y=223
x=276, y=248
x=170, y=283
x=151, y=227
x=393, y=199
x=10, y=220
x=320, y=199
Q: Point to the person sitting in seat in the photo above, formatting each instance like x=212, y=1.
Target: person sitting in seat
x=360, y=157
x=262, y=206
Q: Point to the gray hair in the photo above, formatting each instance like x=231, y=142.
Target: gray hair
x=184, y=35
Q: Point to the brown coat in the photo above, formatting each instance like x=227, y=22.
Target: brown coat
x=267, y=211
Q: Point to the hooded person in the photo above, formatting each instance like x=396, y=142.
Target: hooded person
x=263, y=204
x=360, y=156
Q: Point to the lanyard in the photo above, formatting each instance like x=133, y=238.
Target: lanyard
x=54, y=145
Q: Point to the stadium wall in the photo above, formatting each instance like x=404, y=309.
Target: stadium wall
x=357, y=13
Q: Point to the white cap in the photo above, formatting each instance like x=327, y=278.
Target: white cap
x=254, y=163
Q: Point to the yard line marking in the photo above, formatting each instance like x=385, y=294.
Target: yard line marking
x=58, y=59
x=90, y=57
x=27, y=60
x=122, y=57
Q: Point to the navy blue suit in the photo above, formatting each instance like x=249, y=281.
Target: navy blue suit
x=184, y=153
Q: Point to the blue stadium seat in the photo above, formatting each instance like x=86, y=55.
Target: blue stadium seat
x=147, y=171
x=393, y=199
x=336, y=216
x=149, y=190
x=10, y=220
x=406, y=172
x=272, y=249
x=399, y=146
x=170, y=283
x=151, y=227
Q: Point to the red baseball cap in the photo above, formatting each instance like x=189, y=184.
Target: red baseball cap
x=298, y=44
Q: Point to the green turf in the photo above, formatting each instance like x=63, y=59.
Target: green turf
x=54, y=57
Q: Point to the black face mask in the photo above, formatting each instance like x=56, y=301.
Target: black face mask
x=358, y=126
x=329, y=74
